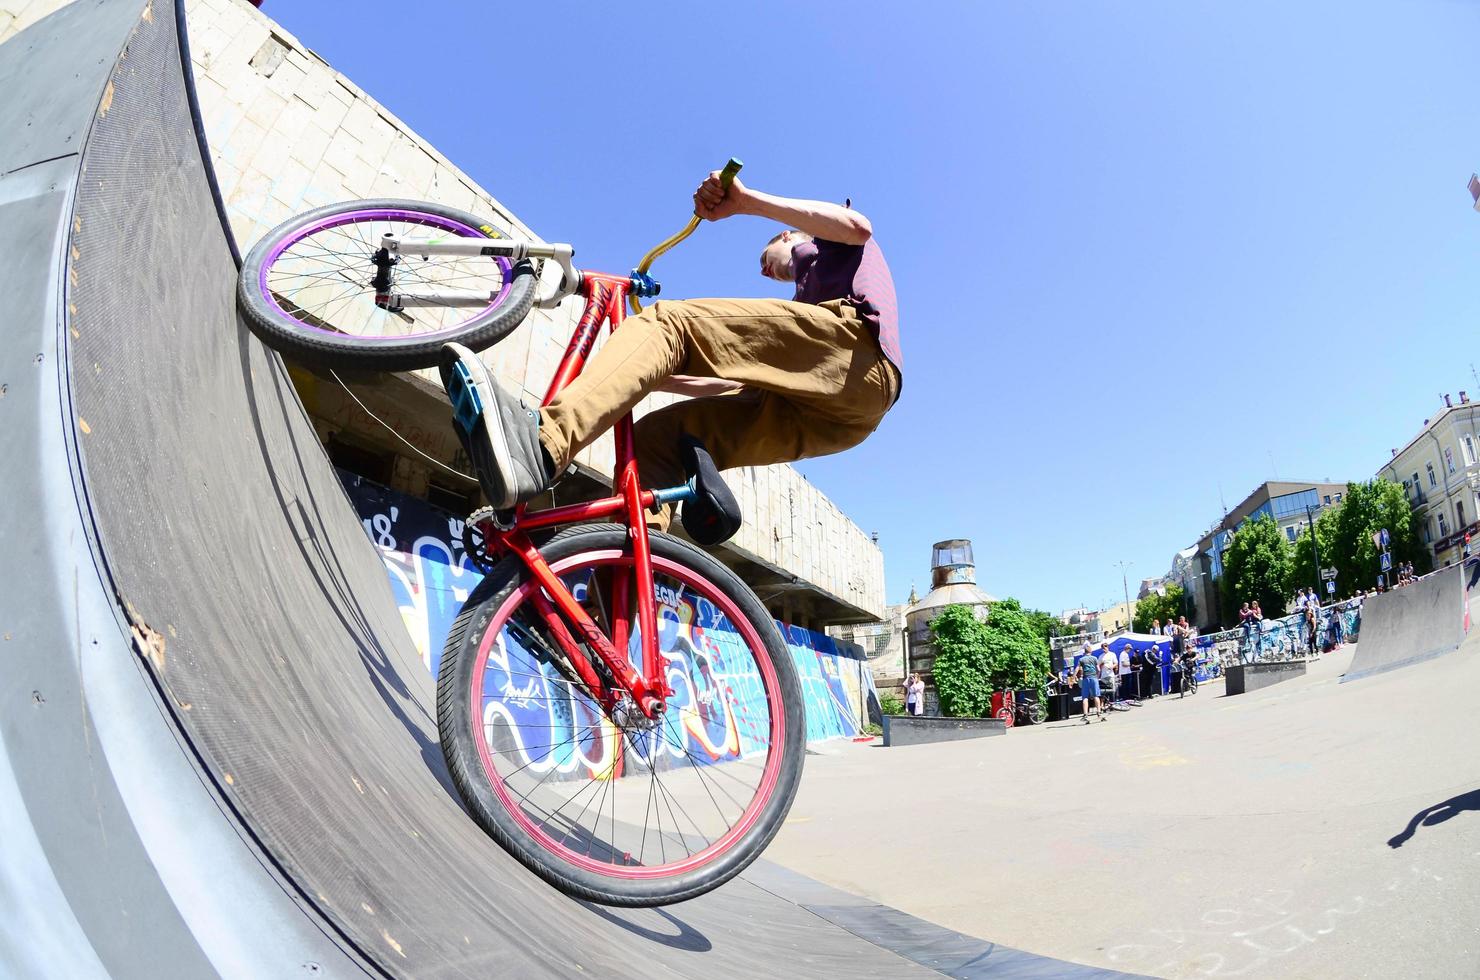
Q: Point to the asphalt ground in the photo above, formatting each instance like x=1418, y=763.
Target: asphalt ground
x=1311, y=829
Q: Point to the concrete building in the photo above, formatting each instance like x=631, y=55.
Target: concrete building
x=884, y=644
x=1115, y=618
x=288, y=133
x=1439, y=471
x=1289, y=502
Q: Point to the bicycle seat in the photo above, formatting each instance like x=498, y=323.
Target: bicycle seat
x=712, y=516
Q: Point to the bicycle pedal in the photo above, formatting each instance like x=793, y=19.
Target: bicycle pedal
x=467, y=404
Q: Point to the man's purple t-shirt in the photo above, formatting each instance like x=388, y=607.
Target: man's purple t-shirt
x=827, y=270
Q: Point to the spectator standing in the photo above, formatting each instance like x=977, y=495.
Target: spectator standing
x=1246, y=622
x=914, y=696
x=1088, y=669
x=1109, y=667
x=1156, y=627
x=1258, y=619
x=1151, y=672
x=1124, y=679
x=1179, y=639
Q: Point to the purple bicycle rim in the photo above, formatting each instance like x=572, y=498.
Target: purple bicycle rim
x=379, y=214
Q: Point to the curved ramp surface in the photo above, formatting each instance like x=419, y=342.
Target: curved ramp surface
x=220, y=750
x=1409, y=625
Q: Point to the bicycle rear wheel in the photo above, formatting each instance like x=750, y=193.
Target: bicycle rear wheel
x=595, y=802
x=1037, y=713
x=306, y=287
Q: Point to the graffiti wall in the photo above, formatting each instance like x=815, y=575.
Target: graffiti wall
x=431, y=577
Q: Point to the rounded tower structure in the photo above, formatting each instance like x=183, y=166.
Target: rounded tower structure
x=952, y=582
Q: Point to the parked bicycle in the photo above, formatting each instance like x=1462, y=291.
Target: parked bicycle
x=1015, y=712
x=680, y=751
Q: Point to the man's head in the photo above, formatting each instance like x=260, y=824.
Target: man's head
x=776, y=256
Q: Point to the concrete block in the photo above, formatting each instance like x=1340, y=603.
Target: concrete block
x=1243, y=678
x=918, y=730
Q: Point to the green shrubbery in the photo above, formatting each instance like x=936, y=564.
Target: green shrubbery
x=975, y=658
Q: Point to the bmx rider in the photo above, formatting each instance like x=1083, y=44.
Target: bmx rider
x=773, y=380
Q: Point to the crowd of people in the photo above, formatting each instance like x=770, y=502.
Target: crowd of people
x=1105, y=676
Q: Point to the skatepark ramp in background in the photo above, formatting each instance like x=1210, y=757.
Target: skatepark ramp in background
x=218, y=746
x=1415, y=623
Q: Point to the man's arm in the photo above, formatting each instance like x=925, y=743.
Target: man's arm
x=820, y=219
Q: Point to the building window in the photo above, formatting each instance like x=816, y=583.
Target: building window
x=1326, y=500
x=1469, y=451
x=1459, y=515
x=1338, y=498
x=1428, y=534
x=1290, y=533
x=1449, y=458
x=1443, y=526
x=1433, y=480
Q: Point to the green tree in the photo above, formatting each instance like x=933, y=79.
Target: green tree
x=973, y=658
x=1256, y=568
x=963, y=668
x=1366, y=509
x=1019, y=653
x=1166, y=607
x=1303, y=572
x=1046, y=624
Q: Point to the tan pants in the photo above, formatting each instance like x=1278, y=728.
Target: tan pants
x=815, y=383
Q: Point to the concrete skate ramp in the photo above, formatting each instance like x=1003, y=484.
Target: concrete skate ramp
x=219, y=747
x=1415, y=623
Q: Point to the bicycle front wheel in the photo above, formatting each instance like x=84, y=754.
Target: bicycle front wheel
x=603, y=804
x=309, y=287
x=1037, y=713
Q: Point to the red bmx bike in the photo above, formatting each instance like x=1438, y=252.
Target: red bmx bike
x=616, y=707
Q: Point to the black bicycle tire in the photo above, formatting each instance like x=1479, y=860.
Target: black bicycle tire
x=286, y=335
x=1037, y=714
x=468, y=776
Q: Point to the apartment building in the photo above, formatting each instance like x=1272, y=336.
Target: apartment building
x=1439, y=472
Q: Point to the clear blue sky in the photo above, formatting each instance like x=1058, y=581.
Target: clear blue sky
x=1146, y=253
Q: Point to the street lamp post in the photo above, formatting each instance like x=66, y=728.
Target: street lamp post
x=1315, y=549
x=1126, y=592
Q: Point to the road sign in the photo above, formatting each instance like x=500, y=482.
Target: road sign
x=1387, y=562
x=1384, y=539
x=1327, y=574
x=1330, y=587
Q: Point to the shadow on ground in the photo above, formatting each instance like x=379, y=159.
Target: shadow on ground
x=1437, y=814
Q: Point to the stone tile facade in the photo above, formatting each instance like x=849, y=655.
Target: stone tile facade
x=289, y=133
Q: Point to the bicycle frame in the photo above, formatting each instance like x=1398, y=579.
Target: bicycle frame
x=605, y=298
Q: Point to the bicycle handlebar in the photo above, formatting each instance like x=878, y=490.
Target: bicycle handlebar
x=726, y=178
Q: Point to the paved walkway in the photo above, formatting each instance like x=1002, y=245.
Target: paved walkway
x=1270, y=834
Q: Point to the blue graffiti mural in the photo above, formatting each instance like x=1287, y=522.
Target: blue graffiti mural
x=712, y=675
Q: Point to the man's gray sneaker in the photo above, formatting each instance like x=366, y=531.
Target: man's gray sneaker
x=500, y=433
